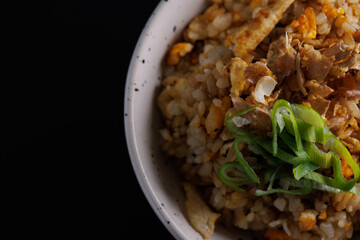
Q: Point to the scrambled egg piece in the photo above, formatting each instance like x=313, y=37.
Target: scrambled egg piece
x=306, y=23
x=307, y=220
x=177, y=51
x=214, y=121
x=346, y=170
x=332, y=12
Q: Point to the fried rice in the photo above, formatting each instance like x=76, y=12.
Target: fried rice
x=239, y=53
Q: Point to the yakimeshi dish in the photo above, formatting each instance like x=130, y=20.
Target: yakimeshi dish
x=260, y=103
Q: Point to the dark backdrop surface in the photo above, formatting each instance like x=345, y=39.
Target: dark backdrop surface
x=62, y=136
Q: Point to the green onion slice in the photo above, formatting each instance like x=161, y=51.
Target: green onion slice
x=304, y=185
x=318, y=156
x=295, y=125
x=303, y=169
x=289, y=141
x=311, y=126
x=242, y=162
x=280, y=108
x=338, y=150
x=233, y=176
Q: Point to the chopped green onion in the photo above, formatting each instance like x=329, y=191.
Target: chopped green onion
x=308, y=132
x=306, y=127
x=257, y=149
x=281, y=106
x=338, y=150
x=301, y=154
x=305, y=186
x=311, y=126
x=269, y=175
x=233, y=176
x=303, y=169
x=335, y=145
x=281, y=154
x=324, y=187
x=242, y=162
x=317, y=156
x=315, y=185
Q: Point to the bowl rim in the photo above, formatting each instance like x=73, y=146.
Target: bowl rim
x=131, y=139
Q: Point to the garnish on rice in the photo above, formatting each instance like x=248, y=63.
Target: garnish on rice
x=293, y=159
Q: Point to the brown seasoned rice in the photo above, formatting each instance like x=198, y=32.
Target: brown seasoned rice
x=311, y=49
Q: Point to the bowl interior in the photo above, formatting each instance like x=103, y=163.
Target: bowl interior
x=142, y=118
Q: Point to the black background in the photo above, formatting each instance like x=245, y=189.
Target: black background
x=63, y=147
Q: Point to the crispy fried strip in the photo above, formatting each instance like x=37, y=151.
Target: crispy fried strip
x=248, y=37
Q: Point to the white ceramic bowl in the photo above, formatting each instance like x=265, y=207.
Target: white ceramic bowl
x=142, y=118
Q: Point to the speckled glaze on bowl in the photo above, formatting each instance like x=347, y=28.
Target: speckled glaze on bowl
x=142, y=119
